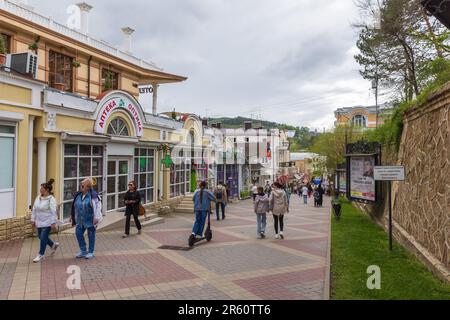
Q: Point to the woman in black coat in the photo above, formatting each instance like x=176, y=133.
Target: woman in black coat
x=132, y=202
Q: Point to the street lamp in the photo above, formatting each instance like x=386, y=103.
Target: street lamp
x=440, y=9
x=375, y=87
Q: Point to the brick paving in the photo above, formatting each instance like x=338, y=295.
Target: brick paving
x=234, y=265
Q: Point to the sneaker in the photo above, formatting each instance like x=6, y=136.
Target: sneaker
x=281, y=236
x=259, y=236
x=38, y=258
x=277, y=236
x=89, y=256
x=263, y=236
x=125, y=236
x=198, y=237
x=54, y=248
x=81, y=255
x=140, y=232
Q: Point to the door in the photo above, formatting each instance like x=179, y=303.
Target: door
x=117, y=183
x=7, y=171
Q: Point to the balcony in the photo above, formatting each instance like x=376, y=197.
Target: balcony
x=58, y=98
x=49, y=23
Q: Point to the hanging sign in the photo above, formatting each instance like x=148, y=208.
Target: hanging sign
x=113, y=103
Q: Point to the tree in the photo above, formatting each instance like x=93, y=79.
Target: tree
x=400, y=52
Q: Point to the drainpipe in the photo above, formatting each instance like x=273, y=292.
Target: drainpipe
x=89, y=76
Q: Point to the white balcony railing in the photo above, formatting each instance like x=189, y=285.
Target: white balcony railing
x=49, y=23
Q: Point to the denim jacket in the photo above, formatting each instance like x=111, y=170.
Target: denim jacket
x=205, y=205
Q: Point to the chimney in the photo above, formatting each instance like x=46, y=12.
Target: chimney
x=205, y=122
x=127, y=31
x=84, y=8
x=247, y=125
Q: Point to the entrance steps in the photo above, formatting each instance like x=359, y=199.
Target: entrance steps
x=116, y=220
x=186, y=205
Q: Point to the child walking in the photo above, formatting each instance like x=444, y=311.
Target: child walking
x=261, y=206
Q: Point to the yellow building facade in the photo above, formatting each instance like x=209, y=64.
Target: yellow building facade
x=77, y=116
x=362, y=117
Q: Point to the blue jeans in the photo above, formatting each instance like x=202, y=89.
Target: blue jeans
x=220, y=205
x=305, y=199
x=43, y=234
x=79, y=231
x=199, y=225
x=261, y=222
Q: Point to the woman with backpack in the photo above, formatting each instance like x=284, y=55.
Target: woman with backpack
x=279, y=206
x=44, y=218
x=261, y=207
x=202, y=204
x=132, y=202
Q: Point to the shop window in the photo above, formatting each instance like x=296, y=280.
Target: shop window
x=144, y=173
x=110, y=80
x=118, y=127
x=60, y=71
x=7, y=160
x=80, y=162
x=180, y=176
x=8, y=42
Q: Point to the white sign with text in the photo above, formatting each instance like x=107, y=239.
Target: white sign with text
x=389, y=173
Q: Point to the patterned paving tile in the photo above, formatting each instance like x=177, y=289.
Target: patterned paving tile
x=110, y=272
x=302, y=285
x=316, y=246
x=318, y=227
x=205, y=292
x=7, y=271
x=180, y=238
x=172, y=222
x=10, y=249
x=243, y=257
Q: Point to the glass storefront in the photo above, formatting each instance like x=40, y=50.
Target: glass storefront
x=80, y=162
x=144, y=173
x=180, y=177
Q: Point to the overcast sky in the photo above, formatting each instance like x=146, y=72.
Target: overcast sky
x=289, y=61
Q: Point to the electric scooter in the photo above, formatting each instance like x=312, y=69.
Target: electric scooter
x=208, y=233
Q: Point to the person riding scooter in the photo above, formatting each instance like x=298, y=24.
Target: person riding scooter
x=202, y=205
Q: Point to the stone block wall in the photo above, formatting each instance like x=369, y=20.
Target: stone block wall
x=422, y=203
x=15, y=228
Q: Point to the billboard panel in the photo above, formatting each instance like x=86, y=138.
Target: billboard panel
x=362, y=182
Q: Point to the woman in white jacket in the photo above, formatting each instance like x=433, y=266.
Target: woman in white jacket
x=44, y=218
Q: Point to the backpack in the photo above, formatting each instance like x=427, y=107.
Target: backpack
x=219, y=194
x=316, y=195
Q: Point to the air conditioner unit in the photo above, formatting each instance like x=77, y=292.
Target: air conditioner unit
x=24, y=63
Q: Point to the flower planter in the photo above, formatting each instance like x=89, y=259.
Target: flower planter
x=60, y=86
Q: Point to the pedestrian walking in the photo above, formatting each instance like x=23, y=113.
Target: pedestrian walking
x=221, y=194
x=261, y=207
x=279, y=207
x=268, y=189
x=132, y=201
x=202, y=204
x=44, y=217
x=321, y=192
x=310, y=190
x=254, y=190
x=86, y=214
x=305, y=192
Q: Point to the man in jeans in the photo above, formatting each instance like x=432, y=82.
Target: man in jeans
x=220, y=193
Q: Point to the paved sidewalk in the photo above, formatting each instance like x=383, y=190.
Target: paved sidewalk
x=235, y=265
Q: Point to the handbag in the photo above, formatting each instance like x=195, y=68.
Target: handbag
x=141, y=210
